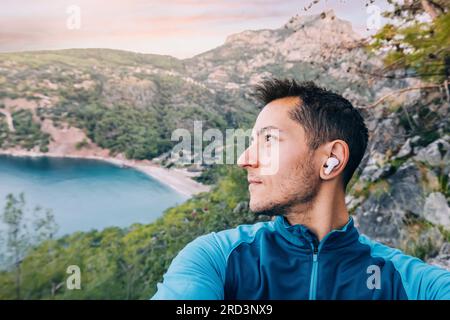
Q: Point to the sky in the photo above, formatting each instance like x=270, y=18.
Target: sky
x=180, y=28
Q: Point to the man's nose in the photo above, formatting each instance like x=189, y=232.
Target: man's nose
x=249, y=158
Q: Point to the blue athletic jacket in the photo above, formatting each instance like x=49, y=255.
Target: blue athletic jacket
x=276, y=260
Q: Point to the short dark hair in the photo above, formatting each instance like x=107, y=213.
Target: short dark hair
x=324, y=115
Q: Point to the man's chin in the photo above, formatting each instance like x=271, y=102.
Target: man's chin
x=270, y=211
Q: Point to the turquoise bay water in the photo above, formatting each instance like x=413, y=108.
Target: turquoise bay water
x=85, y=194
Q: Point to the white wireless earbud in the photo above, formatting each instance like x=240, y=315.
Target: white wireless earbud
x=331, y=163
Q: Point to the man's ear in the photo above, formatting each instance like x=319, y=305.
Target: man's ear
x=337, y=149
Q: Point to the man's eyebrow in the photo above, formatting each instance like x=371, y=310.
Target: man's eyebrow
x=267, y=128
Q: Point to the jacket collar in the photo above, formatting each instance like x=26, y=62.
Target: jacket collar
x=301, y=236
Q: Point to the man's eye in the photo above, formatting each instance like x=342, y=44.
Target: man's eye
x=268, y=137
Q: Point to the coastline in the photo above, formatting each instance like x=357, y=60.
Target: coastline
x=178, y=179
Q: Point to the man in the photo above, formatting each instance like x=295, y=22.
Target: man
x=311, y=249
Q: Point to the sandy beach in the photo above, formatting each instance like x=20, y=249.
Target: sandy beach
x=178, y=179
x=63, y=144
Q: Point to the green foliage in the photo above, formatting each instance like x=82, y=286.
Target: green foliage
x=125, y=101
x=212, y=174
x=82, y=58
x=415, y=243
x=421, y=250
x=27, y=132
x=416, y=46
x=127, y=130
x=22, y=231
x=4, y=131
x=81, y=144
x=444, y=184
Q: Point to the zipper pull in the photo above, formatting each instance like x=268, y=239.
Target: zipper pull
x=315, y=251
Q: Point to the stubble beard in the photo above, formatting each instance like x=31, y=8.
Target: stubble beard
x=298, y=190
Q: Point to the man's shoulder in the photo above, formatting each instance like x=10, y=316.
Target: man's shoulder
x=380, y=249
x=209, y=253
x=227, y=240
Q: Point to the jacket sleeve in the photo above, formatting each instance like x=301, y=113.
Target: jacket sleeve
x=424, y=281
x=196, y=273
x=420, y=280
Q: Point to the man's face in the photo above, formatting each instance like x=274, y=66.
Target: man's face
x=281, y=144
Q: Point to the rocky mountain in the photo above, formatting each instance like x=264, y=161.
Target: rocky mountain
x=129, y=103
x=401, y=196
x=97, y=90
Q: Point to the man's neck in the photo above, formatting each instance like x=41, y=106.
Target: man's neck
x=326, y=213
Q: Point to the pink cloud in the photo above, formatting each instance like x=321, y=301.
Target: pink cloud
x=147, y=25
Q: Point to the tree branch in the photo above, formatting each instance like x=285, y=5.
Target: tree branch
x=397, y=92
x=429, y=9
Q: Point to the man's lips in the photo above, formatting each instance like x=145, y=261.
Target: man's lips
x=252, y=184
x=254, y=181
